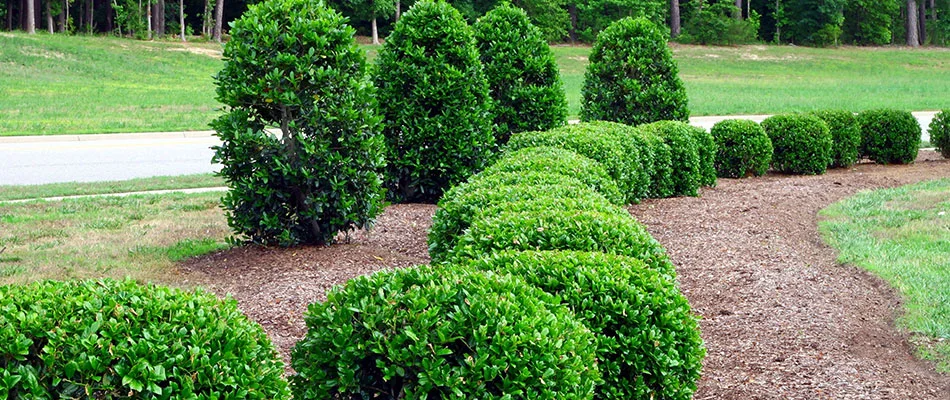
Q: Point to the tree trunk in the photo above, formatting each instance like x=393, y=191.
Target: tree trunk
x=399, y=11
x=30, y=26
x=89, y=7
x=148, y=20
x=61, y=24
x=181, y=18
x=913, y=39
x=933, y=10
x=778, y=24
x=162, y=18
x=49, y=18
x=9, y=15
x=572, y=11
x=218, y=14
x=674, y=18
x=739, y=6
x=922, y=22
x=206, y=21
x=375, y=32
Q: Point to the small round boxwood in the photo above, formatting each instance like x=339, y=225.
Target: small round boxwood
x=801, y=143
x=442, y=333
x=889, y=136
x=559, y=161
x=743, y=148
x=845, y=136
x=940, y=132
x=530, y=178
x=562, y=230
x=707, y=156
x=648, y=341
x=109, y=339
x=684, y=154
x=656, y=157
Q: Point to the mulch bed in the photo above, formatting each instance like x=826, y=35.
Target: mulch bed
x=781, y=319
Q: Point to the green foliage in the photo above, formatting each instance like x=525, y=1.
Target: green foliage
x=554, y=160
x=434, y=99
x=656, y=158
x=940, y=132
x=801, y=143
x=868, y=22
x=845, y=136
x=447, y=333
x=684, y=154
x=550, y=16
x=523, y=77
x=812, y=21
x=109, y=339
x=294, y=64
x=648, y=341
x=743, y=148
x=889, y=136
x=632, y=77
x=707, y=156
x=594, y=16
x=716, y=24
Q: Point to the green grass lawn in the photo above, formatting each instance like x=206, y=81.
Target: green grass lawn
x=16, y=192
x=903, y=236
x=54, y=84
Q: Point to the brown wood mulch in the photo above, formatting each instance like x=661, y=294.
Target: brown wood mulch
x=781, y=319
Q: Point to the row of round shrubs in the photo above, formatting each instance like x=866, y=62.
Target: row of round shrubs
x=809, y=143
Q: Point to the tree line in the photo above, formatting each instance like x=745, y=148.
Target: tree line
x=800, y=22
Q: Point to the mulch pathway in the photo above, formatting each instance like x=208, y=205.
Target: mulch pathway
x=781, y=319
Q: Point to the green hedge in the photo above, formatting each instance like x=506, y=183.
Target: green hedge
x=684, y=154
x=108, y=339
x=426, y=332
x=889, y=136
x=707, y=156
x=940, y=132
x=562, y=162
x=845, y=136
x=656, y=158
x=648, y=341
x=743, y=148
x=801, y=143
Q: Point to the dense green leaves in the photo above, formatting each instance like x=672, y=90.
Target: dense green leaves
x=940, y=132
x=558, y=161
x=294, y=65
x=684, y=144
x=868, y=22
x=845, y=136
x=801, y=143
x=743, y=148
x=889, y=136
x=108, y=339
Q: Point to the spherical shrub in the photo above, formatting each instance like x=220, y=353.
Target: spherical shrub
x=889, y=136
x=940, y=132
x=632, y=77
x=743, y=148
x=684, y=154
x=294, y=64
x=561, y=230
x=523, y=76
x=559, y=161
x=607, y=143
x=422, y=333
x=648, y=341
x=108, y=339
x=845, y=136
x=801, y=143
x=434, y=99
x=707, y=156
x=656, y=158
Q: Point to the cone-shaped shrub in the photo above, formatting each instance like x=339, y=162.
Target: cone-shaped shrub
x=442, y=333
x=632, y=77
x=111, y=340
x=743, y=148
x=845, y=136
x=648, y=344
x=684, y=154
x=940, y=132
x=294, y=65
x=801, y=143
x=558, y=161
x=523, y=76
x=890, y=136
x=434, y=99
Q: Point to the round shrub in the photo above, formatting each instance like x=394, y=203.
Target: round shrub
x=707, y=156
x=434, y=99
x=610, y=144
x=632, y=77
x=453, y=333
x=109, y=339
x=523, y=76
x=561, y=230
x=553, y=160
x=684, y=154
x=845, y=136
x=656, y=158
x=743, y=148
x=294, y=64
x=801, y=143
x=889, y=136
x=648, y=343
x=940, y=132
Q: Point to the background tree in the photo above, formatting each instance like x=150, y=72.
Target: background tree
x=868, y=22
x=913, y=27
x=218, y=19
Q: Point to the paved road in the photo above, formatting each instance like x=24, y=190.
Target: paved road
x=87, y=158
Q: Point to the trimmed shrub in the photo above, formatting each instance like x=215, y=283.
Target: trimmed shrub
x=632, y=77
x=707, y=156
x=559, y=161
x=743, y=148
x=656, y=158
x=434, y=99
x=940, y=132
x=648, y=341
x=889, y=136
x=562, y=230
x=684, y=154
x=609, y=143
x=294, y=64
x=523, y=76
x=429, y=332
x=845, y=136
x=801, y=143
x=108, y=339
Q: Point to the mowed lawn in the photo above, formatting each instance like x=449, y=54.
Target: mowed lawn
x=53, y=84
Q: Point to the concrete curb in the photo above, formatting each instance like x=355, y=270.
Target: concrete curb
x=125, y=194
